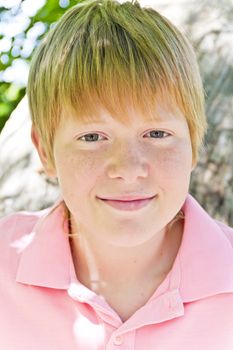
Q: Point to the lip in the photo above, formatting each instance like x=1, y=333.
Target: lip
x=128, y=204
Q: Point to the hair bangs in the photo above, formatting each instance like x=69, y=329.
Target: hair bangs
x=109, y=68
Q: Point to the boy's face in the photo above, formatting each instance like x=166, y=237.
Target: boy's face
x=143, y=159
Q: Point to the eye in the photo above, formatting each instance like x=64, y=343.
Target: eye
x=158, y=134
x=92, y=137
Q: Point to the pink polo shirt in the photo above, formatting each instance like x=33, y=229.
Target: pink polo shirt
x=44, y=307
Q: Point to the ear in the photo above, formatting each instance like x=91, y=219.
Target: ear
x=49, y=169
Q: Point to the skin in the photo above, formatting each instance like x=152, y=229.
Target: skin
x=136, y=246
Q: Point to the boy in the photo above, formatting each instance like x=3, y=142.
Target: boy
x=127, y=259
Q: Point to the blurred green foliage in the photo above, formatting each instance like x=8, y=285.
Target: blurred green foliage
x=11, y=92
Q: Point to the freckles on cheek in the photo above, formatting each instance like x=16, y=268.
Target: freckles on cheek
x=174, y=162
x=83, y=167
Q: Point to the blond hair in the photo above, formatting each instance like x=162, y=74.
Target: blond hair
x=116, y=55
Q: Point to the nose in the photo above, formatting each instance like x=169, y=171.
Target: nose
x=128, y=163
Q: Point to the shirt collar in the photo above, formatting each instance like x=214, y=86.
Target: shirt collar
x=203, y=266
x=205, y=257
x=46, y=262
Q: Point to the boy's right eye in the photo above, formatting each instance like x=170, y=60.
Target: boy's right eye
x=92, y=137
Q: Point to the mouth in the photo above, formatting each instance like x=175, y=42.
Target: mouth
x=128, y=205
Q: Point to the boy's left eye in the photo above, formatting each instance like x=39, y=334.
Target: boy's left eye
x=90, y=137
x=158, y=134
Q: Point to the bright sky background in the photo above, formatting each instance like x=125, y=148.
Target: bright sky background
x=14, y=25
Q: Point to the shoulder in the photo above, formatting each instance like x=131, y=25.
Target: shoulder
x=198, y=218
x=16, y=225
x=227, y=231
x=16, y=232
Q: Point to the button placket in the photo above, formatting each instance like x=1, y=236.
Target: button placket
x=118, y=339
x=121, y=340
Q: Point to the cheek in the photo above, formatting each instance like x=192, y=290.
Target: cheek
x=174, y=164
x=78, y=170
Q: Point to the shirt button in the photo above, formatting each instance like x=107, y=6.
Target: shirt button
x=118, y=340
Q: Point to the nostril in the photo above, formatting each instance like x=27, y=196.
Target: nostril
x=129, y=171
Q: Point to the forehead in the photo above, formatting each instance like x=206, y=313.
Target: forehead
x=160, y=112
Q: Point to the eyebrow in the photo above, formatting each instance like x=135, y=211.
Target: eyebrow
x=168, y=117
x=156, y=124
x=157, y=119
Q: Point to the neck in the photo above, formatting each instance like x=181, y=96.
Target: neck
x=101, y=267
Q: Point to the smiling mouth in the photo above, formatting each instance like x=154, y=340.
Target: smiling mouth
x=130, y=205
